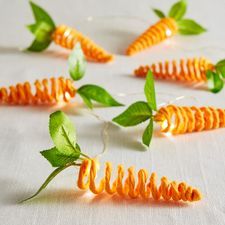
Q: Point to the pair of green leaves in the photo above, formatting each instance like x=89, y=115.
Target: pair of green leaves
x=88, y=92
x=216, y=79
x=66, y=151
x=63, y=135
x=141, y=111
x=42, y=29
x=177, y=12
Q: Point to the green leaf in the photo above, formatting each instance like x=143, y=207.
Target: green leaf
x=93, y=92
x=215, y=83
x=48, y=180
x=190, y=27
x=37, y=46
x=159, y=13
x=178, y=10
x=41, y=30
x=147, y=135
x=220, y=67
x=221, y=63
x=57, y=159
x=150, y=91
x=41, y=15
x=63, y=133
x=77, y=63
x=136, y=113
x=86, y=100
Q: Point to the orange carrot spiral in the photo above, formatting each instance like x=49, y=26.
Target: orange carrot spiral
x=132, y=188
x=68, y=37
x=189, y=70
x=181, y=119
x=47, y=91
x=155, y=34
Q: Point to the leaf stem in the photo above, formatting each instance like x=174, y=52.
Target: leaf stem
x=50, y=178
x=86, y=156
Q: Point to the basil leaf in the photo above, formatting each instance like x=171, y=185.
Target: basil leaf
x=147, y=135
x=150, y=90
x=215, y=83
x=159, y=13
x=37, y=46
x=63, y=133
x=178, y=10
x=57, y=159
x=136, y=113
x=220, y=67
x=190, y=27
x=41, y=15
x=77, y=63
x=47, y=181
x=93, y=92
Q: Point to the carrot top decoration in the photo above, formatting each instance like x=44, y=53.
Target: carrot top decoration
x=141, y=111
x=188, y=70
x=67, y=153
x=56, y=90
x=171, y=118
x=166, y=27
x=45, y=31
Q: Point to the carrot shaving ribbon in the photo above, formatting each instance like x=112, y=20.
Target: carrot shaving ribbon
x=165, y=28
x=46, y=91
x=190, y=70
x=157, y=33
x=184, y=119
x=143, y=186
x=45, y=31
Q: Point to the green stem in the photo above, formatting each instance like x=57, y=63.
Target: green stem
x=86, y=156
x=49, y=179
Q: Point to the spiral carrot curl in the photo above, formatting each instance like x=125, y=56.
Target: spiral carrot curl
x=45, y=32
x=188, y=70
x=155, y=34
x=166, y=27
x=46, y=91
x=183, y=119
x=67, y=37
x=191, y=70
x=129, y=186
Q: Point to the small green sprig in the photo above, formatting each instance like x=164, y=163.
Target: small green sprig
x=66, y=152
x=77, y=63
x=216, y=78
x=88, y=92
x=42, y=29
x=141, y=111
x=177, y=12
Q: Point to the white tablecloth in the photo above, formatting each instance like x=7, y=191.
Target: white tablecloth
x=197, y=158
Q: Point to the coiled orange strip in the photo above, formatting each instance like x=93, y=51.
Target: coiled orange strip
x=182, y=119
x=155, y=34
x=47, y=91
x=68, y=37
x=132, y=188
x=189, y=70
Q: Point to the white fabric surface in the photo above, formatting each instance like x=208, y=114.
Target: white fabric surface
x=196, y=158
